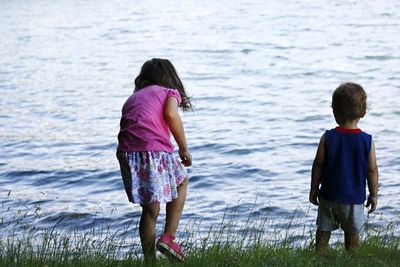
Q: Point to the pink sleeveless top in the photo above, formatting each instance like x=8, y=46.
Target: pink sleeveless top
x=142, y=126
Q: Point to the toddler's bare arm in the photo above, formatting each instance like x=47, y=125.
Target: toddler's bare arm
x=372, y=180
x=316, y=171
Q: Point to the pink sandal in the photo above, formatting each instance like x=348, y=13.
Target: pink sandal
x=170, y=248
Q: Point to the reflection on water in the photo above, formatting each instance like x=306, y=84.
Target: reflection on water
x=261, y=75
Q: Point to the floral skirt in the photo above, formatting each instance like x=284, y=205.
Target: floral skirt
x=151, y=176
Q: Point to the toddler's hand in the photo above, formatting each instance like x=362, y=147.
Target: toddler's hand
x=373, y=202
x=186, y=158
x=314, y=197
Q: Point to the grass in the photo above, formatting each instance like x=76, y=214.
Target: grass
x=371, y=252
x=231, y=243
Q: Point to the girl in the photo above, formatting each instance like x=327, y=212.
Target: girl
x=150, y=173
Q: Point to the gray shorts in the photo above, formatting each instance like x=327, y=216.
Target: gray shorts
x=350, y=217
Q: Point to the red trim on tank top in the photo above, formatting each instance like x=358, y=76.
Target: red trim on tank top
x=346, y=130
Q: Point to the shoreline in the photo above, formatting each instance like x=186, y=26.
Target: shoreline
x=221, y=247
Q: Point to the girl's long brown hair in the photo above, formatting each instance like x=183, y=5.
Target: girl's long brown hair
x=161, y=72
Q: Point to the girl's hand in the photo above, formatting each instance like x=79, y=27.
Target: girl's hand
x=186, y=157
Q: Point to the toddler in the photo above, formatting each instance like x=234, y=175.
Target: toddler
x=345, y=160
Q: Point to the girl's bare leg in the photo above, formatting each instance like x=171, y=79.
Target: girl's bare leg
x=174, y=210
x=147, y=229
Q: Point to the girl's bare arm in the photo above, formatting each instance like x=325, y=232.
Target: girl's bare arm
x=174, y=121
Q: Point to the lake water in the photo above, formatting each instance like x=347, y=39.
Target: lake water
x=261, y=74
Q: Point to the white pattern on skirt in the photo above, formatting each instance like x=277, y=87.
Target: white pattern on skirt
x=151, y=176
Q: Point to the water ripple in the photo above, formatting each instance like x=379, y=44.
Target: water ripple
x=261, y=85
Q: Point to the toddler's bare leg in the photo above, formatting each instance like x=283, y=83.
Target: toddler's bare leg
x=351, y=241
x=174, y=210
x=322, y=241
x=147, y=229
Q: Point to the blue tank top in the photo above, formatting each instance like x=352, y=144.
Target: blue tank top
x=345, y=167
